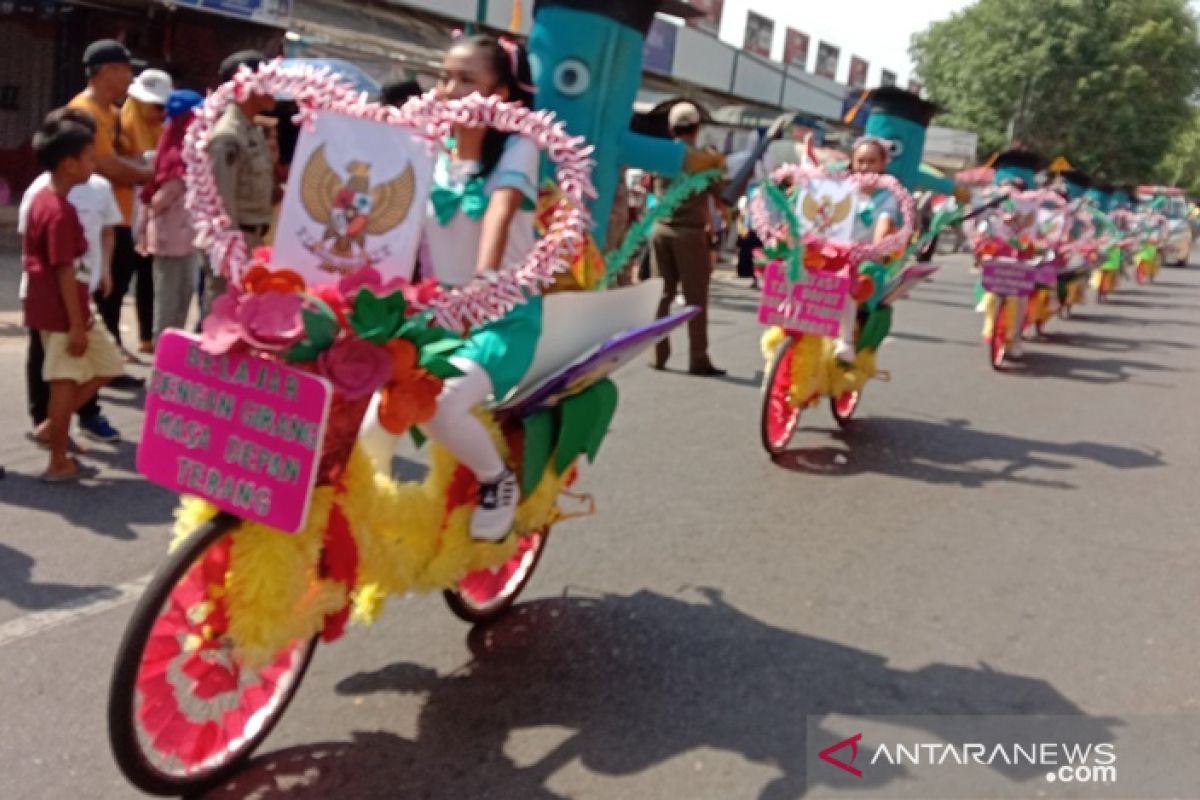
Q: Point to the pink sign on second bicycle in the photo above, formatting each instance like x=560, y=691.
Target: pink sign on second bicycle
x=815, y=305
x=1009, y=277
x=242, y=432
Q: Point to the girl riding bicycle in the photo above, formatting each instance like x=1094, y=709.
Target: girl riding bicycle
x=481, y=219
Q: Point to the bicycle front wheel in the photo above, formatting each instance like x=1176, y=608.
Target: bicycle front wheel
x=183, y=711
x=779, y=414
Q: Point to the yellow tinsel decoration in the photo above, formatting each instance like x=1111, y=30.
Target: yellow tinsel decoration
x=407, y=541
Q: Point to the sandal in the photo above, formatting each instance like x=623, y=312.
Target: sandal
x=80, y=472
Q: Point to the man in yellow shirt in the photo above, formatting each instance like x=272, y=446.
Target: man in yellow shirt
x=109, y=71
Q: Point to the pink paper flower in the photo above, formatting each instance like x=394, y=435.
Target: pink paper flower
x=271, y=321
x=422, y=294
x=356, y=367
x=221, y=330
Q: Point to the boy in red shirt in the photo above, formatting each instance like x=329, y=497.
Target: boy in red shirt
x=80, y=356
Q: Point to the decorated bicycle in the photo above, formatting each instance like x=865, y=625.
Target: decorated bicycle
x=1020, y=248
x=814, y=292
x=276, y=425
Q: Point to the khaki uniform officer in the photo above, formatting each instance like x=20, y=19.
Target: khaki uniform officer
x=680, y=246
x=242, y=164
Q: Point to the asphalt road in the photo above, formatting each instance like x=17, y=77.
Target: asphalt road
x=978, y=543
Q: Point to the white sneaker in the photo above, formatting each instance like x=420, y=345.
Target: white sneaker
x=493, y=517
x=1016, y=349
x=843, y=351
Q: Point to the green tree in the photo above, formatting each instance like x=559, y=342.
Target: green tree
x=1181, y=164
x=1106, y=83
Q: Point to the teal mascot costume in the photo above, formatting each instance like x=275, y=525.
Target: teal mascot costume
x=902, y=118
x=586, y=57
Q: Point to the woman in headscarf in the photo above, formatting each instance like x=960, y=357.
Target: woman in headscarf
x=165, y=227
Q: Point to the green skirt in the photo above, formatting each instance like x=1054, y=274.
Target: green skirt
x=505, y=348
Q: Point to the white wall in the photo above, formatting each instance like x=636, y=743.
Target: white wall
x=757, y=79
x=702, y=60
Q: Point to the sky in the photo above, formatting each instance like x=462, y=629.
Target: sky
x=876, y=30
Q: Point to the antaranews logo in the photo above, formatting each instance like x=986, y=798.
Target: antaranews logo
x=1067, y=763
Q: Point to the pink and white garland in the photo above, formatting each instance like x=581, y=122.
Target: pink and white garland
x=771, y=231
x=486, y=298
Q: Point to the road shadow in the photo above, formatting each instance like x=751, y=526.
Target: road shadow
x=18, y=587
x=1107, y=344
x=112, y=504
x=951, y=452
x=1132, y=322
x=627, y=683
x=1040, y=363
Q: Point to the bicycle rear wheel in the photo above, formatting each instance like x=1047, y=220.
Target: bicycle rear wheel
x=183, y=711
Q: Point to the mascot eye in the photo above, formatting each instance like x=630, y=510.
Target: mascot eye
x=572, y=77
x=897, y=148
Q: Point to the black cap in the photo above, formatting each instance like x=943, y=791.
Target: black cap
x=245, y=58
x=105, y=51
x=1077, y=177
x=1021, y=159
x=897, y=102
x=636, y=14
x=396, y=93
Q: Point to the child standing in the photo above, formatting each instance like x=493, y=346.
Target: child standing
x=99, y=213
x=79, y=357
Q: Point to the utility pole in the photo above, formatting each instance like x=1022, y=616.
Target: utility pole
x=481, y=15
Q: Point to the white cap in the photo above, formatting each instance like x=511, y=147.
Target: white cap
x=683, y=115
x=152, y=86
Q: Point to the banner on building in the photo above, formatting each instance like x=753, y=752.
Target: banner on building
x=887, y=78
x=858, y=73
x=795, y=49
x=760, y=33
x=266, y=11
x=827, y=60
x=711, y=21
x=658, y=54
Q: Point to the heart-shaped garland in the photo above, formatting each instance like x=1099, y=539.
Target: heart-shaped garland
x=771, y=231
x=485, y=299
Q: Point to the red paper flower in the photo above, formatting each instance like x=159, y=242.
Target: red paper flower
x=356, y=367
x=271, y=321
x=221, y=330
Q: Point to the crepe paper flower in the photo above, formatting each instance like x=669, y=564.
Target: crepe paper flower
x=422, y=294
x=259, y=279
x=321, y=329
x=404, y=404
x=369, y=278
x=271, y=321
x=404, y=357
x=335, y=302
x=261, y=254
x=377, y=319
x=356, y=367
x=221, y=331
x=863, y=288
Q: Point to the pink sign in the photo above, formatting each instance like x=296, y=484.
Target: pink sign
x=240, y=431
x=1047, y=274
x=815, y=305
x=1009, y=277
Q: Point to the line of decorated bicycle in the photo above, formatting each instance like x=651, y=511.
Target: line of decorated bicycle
x=278, y=424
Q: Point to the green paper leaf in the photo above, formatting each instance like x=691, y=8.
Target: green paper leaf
x=579, y=415
x=539, y=442
x=439, y=367
x=376, y=319
x=304, y=351
x=445, y=347
x=606, y=393
x=320, y=329
x=418, y=437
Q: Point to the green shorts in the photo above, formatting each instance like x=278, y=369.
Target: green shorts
x=505, y=348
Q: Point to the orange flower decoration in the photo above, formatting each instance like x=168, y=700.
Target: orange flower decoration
x=404, y=359
x=410, y=402
x=259, y=280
